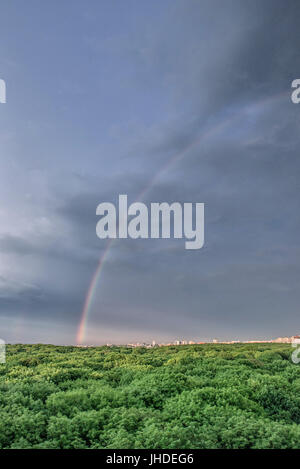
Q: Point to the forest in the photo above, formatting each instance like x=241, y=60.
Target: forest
x=182, y=397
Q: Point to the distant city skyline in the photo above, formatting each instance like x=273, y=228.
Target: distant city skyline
x=278, y=340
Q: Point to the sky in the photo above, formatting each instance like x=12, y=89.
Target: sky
x=186, y=101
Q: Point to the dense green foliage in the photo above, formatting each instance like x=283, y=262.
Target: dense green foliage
x=202, y=396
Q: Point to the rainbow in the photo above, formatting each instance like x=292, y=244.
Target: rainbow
x=90, y=294
x=212, y=131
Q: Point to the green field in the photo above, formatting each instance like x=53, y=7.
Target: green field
x=196, y=396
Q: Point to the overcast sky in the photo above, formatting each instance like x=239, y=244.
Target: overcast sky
x=101, y=96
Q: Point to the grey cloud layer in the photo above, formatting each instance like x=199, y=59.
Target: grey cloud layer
x=202, y=64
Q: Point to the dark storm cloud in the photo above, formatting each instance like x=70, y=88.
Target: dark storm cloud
x=233, y=50
x=10, y=289
x=200, y=82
